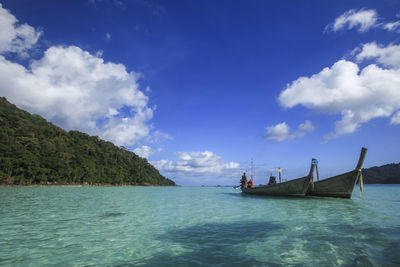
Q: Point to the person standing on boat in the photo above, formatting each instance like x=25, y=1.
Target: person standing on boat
x=243, y=181
x=250, y=183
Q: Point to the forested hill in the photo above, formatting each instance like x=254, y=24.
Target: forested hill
x=386, y=174
x=34, y=151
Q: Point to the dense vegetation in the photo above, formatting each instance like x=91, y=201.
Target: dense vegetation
x=386, y=174
x=34, y=151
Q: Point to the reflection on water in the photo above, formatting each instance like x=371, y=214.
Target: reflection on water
x=213, y=244
x=153, y=226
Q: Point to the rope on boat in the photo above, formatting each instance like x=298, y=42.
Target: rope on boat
x=360, y=181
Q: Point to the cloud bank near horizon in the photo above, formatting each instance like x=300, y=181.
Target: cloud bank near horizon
x=196, y=163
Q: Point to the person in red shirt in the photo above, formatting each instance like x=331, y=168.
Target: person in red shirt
x=250, y=183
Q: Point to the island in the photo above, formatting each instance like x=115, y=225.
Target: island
x=34, y=151
x=385, y=174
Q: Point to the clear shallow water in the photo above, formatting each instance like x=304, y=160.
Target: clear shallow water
x=155, y=226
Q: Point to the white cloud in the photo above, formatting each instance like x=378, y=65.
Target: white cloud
x=358, y=96
x=99, y=53
x=232, y=165
x=388, y=56
x=392, y=26
x=166, y=165
x=361, y=19
x=194, y=163
x=395, y=118
x=304, y=128
x=14, y=37
x=76, y=90
x=144, y=151
x=278, y=133
x=281, y=131
x=73, y=88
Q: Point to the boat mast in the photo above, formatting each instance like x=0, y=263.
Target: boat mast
x=251, y=168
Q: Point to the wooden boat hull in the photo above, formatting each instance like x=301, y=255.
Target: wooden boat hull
x=297, y=187
x=340, y=186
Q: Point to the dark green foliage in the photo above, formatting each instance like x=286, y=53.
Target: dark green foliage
x=386, y=174
x=34, y=151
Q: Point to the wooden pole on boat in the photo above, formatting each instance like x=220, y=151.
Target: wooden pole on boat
x=361, y=159
x=314, y=163
x=251, y=168
x=280, y=171
x=358, y=169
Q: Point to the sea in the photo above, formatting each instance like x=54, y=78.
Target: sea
x=196, y=226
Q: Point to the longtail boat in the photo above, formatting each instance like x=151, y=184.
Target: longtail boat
x=297, y=187
x=340, y=186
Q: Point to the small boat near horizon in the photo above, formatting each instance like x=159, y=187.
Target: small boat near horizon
x=339, y=186
x=297, y=187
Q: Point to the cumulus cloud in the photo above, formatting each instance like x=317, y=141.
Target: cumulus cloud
x=357, y=95
x=73, y=88
x=388, y=56
x=77, y=90
x=194, y=163
x=304, y=128
x=14, y=37
x=144, y=151
x=278, y=133
x=361, y=19
x=281, y=131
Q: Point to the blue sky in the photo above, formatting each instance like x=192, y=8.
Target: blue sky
x=201, y=87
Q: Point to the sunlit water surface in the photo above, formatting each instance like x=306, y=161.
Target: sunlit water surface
x=156, y=226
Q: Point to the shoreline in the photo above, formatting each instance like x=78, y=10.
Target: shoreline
x=82, y=185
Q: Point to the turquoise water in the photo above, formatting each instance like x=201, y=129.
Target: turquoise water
x=156, y=226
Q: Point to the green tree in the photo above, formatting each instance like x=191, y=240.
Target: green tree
x=34, y=151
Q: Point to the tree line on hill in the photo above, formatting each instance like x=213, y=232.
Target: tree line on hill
x=35, y=151
x=385, y=174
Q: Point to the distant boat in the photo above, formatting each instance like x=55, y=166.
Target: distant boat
x=296, y=187
x=341, y=185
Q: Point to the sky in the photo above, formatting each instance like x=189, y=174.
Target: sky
x=200, y=88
